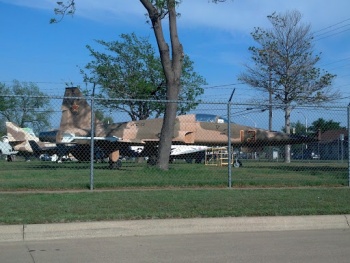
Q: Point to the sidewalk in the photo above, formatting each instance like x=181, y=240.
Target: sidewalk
x=170, y=227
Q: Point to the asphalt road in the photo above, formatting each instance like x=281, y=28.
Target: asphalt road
x=266, y=246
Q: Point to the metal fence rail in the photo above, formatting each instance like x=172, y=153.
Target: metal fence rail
x=41, y=164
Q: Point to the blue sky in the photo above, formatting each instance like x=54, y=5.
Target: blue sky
x=216, y=37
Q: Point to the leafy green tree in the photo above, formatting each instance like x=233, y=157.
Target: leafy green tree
x=322, y=125
x=105, y=120
x=171, y=56
x=297, y=128
x=25, y=105
x=130, y=71
x=285, y=66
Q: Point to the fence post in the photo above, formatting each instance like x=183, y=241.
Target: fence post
x=229, y=161
x=229, y=144
x=92, y=141
x=348, y=145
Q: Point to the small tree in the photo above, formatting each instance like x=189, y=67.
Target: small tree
x=297, y=128
x=129, y=70
x=25, y=105
x=322, y=125
x=285, y=66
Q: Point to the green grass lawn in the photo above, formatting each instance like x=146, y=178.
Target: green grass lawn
x=36, y=175
x=138, y=191
x=33, y=208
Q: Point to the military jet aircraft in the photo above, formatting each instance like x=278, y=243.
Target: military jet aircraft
x=191, y=129
x=28, y=144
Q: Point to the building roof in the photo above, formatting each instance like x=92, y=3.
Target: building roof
x=333, y=135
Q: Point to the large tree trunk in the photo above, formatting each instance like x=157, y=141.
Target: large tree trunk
x=167, y=132
x=172, y=69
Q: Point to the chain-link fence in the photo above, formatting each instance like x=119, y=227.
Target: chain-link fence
x=57, y=154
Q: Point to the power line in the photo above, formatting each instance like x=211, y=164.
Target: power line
x=223, y=85
x=341, y=66
x=332, y=25
x=337, y=61
x=330, y=30
x=333, y=34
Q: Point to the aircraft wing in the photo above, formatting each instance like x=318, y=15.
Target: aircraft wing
x=70, y=137
x=50, y=148
x=186, y=149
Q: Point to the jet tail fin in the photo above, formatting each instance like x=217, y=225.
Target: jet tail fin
x=76, y=115
x=18, y=134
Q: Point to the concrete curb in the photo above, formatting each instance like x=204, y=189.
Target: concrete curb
x=170, y=227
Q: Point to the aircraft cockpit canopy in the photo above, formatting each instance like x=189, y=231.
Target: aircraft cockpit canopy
x=210, y=118
x=29, y=131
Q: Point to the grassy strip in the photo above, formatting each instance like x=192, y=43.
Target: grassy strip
x=35, y=175
x=26, y=208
